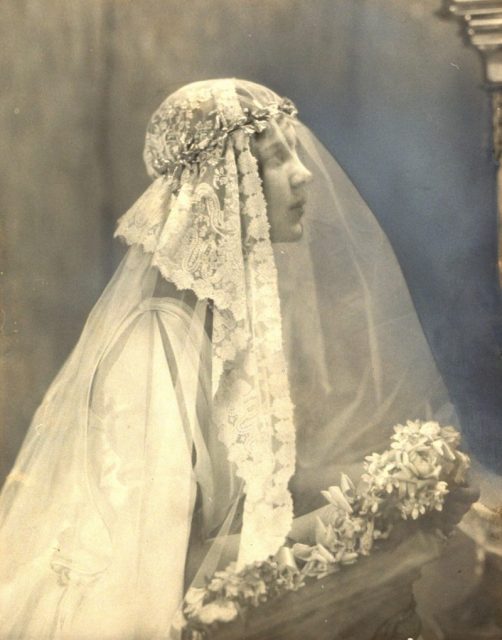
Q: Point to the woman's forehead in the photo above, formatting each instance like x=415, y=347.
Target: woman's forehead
x=281, y=131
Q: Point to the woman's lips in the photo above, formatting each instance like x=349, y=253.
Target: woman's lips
x=297, y=208
x=299, y=204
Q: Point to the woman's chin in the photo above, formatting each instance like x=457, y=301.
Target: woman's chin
x=297, y=232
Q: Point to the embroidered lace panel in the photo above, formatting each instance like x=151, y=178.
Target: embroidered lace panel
x=207, y=228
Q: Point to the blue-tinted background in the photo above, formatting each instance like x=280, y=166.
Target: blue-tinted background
x=385, y=84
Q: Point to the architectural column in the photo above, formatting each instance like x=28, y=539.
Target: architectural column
x=481, y=27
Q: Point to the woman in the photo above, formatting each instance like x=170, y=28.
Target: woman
x=168, y=443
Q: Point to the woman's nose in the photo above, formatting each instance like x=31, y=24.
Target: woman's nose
x=300, y=175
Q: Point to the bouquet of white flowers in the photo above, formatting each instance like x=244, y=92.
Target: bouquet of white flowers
x=407, y=481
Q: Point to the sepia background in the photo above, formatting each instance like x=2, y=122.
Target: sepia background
x=385, y=84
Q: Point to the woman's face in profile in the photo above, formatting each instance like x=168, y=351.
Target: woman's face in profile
x=285, y=179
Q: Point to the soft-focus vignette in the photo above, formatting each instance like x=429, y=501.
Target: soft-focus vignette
x=387, y=86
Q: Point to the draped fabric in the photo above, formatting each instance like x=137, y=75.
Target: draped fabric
x=109, y=545
x=219, y=383
x=215, y=242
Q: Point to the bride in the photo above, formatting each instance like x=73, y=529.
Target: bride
x=257, y=339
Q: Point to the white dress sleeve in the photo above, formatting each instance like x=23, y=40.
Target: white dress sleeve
x=115, y=571
x=140, y=458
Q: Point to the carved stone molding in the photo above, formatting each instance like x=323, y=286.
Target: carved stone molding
x=481, y=23
x=481, y=27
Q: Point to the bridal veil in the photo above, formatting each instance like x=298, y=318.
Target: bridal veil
x=215, y=373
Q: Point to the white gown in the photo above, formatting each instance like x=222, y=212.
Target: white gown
x=132, y=546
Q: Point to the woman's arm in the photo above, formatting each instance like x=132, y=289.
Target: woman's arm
x=306, y=486
x=302, y=531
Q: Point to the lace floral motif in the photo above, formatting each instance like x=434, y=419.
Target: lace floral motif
x=211, y=235
x=143, y=223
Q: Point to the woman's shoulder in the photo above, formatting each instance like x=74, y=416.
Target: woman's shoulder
x=172, y=307
x=149, y=336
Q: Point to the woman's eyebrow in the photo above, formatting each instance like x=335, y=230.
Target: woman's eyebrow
x=274, y=146
x=290, y=135
x=291, y=140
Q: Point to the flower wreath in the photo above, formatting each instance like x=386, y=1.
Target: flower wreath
x=195, y=143
x=408, y=480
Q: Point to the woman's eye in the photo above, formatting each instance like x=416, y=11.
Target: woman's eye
x=277, y=159
x=292, y=142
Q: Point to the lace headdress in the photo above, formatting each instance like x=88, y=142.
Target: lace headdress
x=210, y=234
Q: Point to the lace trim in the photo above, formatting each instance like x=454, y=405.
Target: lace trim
x=215, y=241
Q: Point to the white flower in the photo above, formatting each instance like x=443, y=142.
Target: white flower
x=348, y=557
x=347, y=486
x=218, y=611
x=319, y=562
x=431, y=429
x=194, y=599
x=335, y=497
x=324, y=534
x=424, y=467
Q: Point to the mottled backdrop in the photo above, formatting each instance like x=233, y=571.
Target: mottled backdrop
x=385, y=84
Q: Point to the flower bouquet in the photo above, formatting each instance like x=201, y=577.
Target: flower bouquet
x=305, y=590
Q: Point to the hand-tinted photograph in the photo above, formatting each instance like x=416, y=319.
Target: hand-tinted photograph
x=251, y=320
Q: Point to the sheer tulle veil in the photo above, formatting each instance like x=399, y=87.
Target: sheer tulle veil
x=215, y=374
